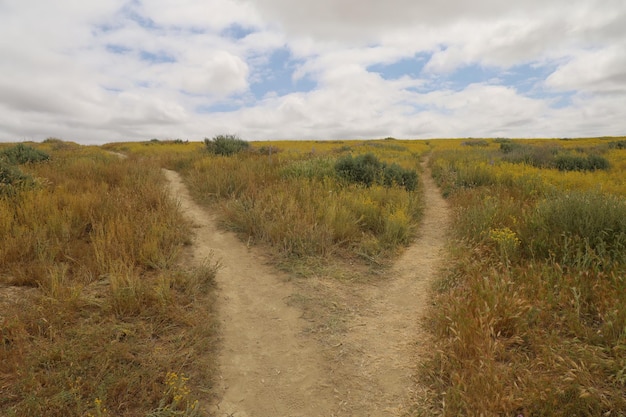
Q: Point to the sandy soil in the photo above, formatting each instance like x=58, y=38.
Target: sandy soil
x=273, y=361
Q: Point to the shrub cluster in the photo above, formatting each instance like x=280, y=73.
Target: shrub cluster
x=619, y=144
x=572, y=162
x=537, y=284
x=476, y=142
x=226, y=145
x=553, y=157
x=368, y=170
x=22, y=154
x=579, y=227
x=11, y=177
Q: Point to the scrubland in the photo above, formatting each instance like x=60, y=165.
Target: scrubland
x=98, y=317
x=529, y=318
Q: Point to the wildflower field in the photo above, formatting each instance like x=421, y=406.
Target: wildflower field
x=294, y=197
x=99, y=317
x=95, y=313
x=530, y=318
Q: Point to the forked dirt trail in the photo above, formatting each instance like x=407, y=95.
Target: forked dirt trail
x=383, y=348
x=270, y=366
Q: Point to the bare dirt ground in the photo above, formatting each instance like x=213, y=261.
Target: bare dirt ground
x=320, y=346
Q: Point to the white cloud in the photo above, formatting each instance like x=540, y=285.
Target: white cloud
x=136, y=69
x=221, y=74
x=210, y=14
x=600, y=71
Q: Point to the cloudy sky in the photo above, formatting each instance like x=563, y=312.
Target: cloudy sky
x=110, y=70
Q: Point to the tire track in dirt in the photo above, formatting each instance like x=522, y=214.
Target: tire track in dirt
x=268, y=368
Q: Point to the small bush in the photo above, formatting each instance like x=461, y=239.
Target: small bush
x=22, y=154
x=579, y=227
x=537, y=156
x=226, y=145
x=480, y=143
x=364, y=169
x=507, y=146
x=595, y=162
x=368, y=170
x=10, y=178
x=553, y=157
x=571, y=162
x=620, y=144
x=394, y=174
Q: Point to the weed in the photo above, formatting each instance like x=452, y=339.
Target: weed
x=529, y=316
x=96, y=239
x=12, y=179
x=226, y=145
x=22, y=154
x=366, y=169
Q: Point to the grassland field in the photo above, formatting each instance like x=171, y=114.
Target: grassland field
x=101, y=315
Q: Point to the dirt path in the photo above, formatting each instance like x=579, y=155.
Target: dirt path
x=273, y=366
x=381, y=350
x=268, y=367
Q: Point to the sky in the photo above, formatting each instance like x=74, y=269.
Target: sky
x=123, y=70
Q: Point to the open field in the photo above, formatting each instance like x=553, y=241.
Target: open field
x=103, y=309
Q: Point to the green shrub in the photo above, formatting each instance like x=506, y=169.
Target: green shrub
x=394, y=174
x=364, y=169
x=368, y=170
x=22, y=154
x=480, y=143
x=537, y=156
x=579, y=228
x=268, y=150
x=595, y=162
x=552, y=157
x=620, y=144
x=226, y=145
x=507, y=146
x=572, y=162
x=11, y=178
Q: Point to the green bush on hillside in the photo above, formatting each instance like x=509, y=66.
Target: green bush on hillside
x=571, y=162
x=368, y=170
x=11, y=178
x=620, y=144
x=578, y=228
x=22, y=154
x=553, y=157
x=226, y=145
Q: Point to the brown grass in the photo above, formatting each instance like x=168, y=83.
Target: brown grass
x=529, y=316
x=106, y=322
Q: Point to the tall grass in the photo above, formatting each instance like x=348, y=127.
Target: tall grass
x=298, y=204
x=95, y=310
x=530, y=317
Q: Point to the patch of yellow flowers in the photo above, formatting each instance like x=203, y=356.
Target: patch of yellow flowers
x=506, y=241
x=175, y=400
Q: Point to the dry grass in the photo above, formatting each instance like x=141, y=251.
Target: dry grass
x=294, y=201
x=104, y=313
x=530, y=316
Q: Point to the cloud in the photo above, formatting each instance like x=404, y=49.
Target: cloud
x=270, y=69
x=221, y=74
x=596, y=71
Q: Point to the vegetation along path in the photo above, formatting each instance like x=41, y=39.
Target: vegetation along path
x=271, y=365
x=384, y=342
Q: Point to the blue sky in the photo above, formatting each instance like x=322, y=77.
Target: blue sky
x=325, y=69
